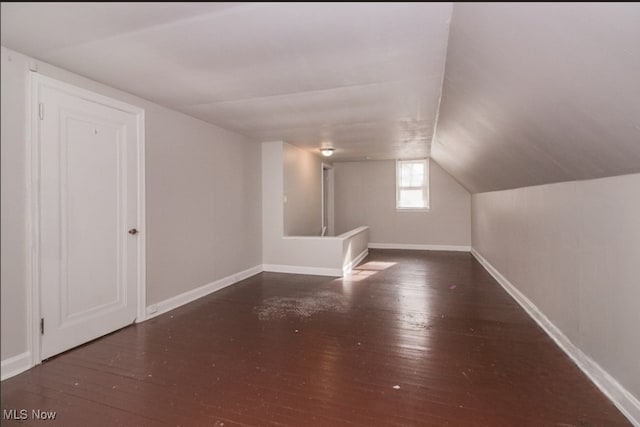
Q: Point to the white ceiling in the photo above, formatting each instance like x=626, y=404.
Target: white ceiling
x=539, y=93
x=532, y=93
x=363, y=77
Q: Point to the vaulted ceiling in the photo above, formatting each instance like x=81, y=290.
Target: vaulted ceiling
x=365, y=78
x=539, y=93
x=532, y=93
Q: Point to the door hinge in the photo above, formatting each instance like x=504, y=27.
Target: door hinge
x=42, y=326
x=41, y=111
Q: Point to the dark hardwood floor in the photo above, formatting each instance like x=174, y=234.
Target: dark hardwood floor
x=411, y=338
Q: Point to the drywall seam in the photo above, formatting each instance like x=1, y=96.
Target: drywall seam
x=419, y=247
x=194, y=294
x=621, y=397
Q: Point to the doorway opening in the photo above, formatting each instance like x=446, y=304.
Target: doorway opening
x=327, y=200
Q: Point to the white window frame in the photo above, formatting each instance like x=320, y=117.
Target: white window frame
x=424, y=187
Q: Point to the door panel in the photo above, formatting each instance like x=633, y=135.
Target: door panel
x=92, y=239
x=88, y=202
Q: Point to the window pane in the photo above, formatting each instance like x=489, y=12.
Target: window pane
x=411, y=199
x=417, y=174
x=405, y=174
x=411, y=174
x=412, y=186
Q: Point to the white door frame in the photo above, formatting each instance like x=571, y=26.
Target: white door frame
x=330, y=197
x=37, y=81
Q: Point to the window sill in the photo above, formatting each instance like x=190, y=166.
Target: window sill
x=409, y=210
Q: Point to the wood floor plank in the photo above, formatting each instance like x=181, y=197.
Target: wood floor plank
x=410, y=338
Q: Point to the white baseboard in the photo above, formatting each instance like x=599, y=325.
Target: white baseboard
x=157, y=309
x=15, y=365
x=316, y=271
x=349, y=267
x=295, y=269
x=414, y=247
x=621, y=397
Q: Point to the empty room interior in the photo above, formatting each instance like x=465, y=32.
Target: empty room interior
x=359, y=214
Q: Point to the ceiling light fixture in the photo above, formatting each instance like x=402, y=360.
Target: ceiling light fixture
x=327, y=152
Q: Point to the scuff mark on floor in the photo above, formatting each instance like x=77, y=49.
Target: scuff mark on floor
x=279, y=307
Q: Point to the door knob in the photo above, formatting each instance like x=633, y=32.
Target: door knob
x=133, y=231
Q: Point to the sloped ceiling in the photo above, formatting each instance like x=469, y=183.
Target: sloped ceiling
x=532, y=93
x=365, y=78
x=540, y=93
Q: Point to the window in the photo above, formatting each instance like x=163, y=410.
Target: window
x=412, y=185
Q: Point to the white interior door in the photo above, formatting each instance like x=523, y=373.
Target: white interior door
x=88, y=213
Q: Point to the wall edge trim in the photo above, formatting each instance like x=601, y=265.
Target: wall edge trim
x=15, y=365
x=420, y=247
x=199, y=292
x=354, y=262
x=296, y=269
x=607, y=384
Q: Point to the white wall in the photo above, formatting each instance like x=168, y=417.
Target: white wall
x=573, y=249
x=203, y=204
x=299, y=254
x=365, y=194
x=13, y=269
x=303, y=192
x=355, y=243
x=275, y=249
x=203, y=198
